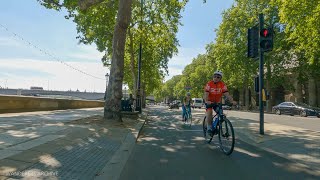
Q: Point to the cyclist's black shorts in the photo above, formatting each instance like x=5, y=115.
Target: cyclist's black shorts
x=215, y=107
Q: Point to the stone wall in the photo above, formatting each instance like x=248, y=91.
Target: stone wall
x=10, y=104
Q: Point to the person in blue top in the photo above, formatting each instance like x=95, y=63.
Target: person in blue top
x=186, y=104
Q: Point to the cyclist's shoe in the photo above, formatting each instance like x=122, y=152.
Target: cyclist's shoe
x=210, y=132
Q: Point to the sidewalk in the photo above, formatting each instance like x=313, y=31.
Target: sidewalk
x=301, y=146
x=87, y=148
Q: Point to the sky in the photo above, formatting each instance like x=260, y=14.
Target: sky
x=38, y=46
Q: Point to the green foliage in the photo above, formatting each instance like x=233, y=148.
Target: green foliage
x=154, y=24
x=156, y=29
x=302, y=26
x=296, y=46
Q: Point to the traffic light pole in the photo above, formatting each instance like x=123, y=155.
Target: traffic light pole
x=261, y=71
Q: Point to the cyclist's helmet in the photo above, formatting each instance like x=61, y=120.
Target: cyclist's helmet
x=188, y=93
x=218, y=73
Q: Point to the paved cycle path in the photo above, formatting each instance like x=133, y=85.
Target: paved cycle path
x=167, y=149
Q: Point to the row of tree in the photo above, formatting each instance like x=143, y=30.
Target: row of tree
x=118, y=27
x=293, y=65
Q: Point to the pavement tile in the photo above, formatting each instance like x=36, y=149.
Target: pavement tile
x=78, y=134
x=58, y=144
x=3, y=177
x=49, y=148
x=8, y=166
x=35, y=142
x=7, y=139
x=82, y=162
x=27, y=156
x=4, y=153
x=67, y=151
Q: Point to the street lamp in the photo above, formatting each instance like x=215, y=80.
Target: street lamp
x=107, y=81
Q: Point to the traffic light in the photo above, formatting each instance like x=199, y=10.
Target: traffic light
x=253, y=42
x=266, y=39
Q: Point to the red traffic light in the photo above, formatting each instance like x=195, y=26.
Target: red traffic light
x=266, y=39
x=265, y=32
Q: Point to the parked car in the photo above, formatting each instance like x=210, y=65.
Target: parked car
x=296, y=109
x=174, y=105
x=197, y=103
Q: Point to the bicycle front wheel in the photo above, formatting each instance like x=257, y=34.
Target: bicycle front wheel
x=204, y=127
x=226, y=136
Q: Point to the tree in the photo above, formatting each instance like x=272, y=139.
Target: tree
x=112, y=108
x=302, y=25
x=154, y=24
x=77, y=8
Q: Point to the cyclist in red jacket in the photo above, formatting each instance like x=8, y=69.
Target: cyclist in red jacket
x=214, y=90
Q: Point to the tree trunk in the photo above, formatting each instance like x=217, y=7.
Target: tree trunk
x=247, y=98
x=268, y=86
x=312, y=92
x=298, y=91
x=243, y=93
x=306, y=92
x=318, y=91
x=132, y=65
x=112, y=107
x=143, y=96
x=246, y=93
x=241, y=98
x=272, y=100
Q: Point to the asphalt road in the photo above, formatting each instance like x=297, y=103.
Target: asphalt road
x=167, y=149
x=311, y=123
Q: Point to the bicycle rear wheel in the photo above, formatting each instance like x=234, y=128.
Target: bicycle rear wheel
x=226, y=136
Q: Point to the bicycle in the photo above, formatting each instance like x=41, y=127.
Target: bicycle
x=221, y=126
x=188, y=116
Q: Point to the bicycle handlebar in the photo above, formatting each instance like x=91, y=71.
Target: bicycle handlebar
x=219, y=104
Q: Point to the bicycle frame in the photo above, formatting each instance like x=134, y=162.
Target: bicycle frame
x=219, y=114
x=219, y=129
x=220, y=117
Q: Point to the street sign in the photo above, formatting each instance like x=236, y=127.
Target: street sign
x=187, y=88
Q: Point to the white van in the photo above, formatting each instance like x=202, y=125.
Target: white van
x=197, y=103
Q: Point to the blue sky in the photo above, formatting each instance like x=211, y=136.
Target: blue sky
x=22, y=65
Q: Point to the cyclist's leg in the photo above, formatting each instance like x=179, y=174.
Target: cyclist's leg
x=183, y=112
x=190, y=116
x=187, y=112
x=209, y=118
